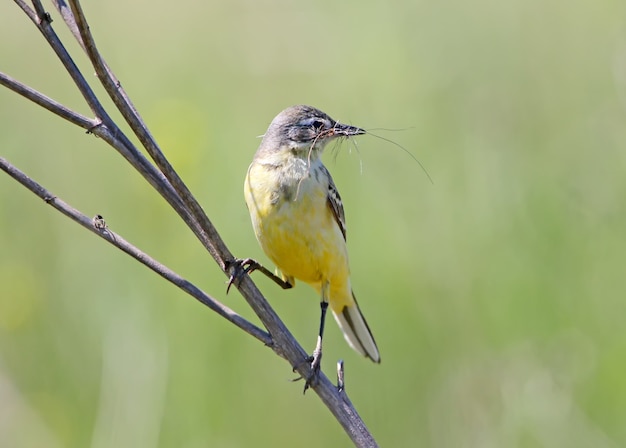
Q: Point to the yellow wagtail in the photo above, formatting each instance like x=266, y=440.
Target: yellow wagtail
x=298, y=218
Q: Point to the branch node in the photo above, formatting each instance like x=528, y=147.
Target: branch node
x=93, y=128
x=43, y=17
x=99, y=222
x=49, y=199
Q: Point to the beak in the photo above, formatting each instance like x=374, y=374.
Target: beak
x=344, y=130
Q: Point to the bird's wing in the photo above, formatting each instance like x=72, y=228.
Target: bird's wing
x=335, y=204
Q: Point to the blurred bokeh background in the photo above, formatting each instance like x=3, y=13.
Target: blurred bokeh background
x=497, y=294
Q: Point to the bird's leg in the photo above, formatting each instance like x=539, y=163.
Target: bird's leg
x=316, y=358
x=239, y=267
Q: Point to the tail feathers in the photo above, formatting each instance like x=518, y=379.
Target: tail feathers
x=357, y=332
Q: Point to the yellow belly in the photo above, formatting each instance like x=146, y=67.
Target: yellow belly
x=301, y=236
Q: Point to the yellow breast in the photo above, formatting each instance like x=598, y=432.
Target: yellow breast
x=296, y=228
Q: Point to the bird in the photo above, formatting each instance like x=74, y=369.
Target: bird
x=299, y=220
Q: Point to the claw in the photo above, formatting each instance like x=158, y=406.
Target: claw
x=239, y=267
x=315, y=370
x=311, y=380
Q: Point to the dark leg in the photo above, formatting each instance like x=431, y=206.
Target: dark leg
x=316, y=358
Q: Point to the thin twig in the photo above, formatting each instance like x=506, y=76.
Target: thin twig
x=39, y=9
x=107, y=129
x=116, y=240
x=208, y=235
x=27, y=9
x=47, y=103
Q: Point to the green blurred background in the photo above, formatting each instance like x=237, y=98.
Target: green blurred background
x=497, y=294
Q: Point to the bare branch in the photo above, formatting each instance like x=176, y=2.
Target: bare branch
x=39, y=9
x=116, y=240
x=206, y=233
x=47, y=103
x=108, y=129
x=27, y=9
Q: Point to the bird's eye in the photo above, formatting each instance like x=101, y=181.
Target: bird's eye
x=317, y=124
x=308, y=130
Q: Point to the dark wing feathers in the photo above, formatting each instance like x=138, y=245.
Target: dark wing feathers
x=335, y=204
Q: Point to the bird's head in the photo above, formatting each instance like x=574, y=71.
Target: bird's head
x=304, y=131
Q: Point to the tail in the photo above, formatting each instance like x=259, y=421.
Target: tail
x=356, y=331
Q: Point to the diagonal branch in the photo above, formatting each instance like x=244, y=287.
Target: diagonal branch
x=208, y=235
x=107, y=129
x=100, y=228
x=47, y=103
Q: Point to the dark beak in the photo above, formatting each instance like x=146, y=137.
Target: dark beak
x=344, y=130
